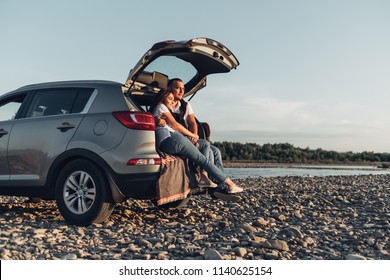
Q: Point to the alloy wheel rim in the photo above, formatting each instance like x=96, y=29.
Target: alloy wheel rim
x=79, y=192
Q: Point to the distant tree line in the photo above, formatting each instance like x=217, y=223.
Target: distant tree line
x=287, y=153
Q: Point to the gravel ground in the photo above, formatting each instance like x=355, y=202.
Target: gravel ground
x=333, y=217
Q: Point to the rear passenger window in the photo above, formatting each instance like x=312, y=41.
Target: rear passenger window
x=58, y=102
x=81, y=100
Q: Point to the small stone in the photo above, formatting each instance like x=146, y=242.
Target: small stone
x=134, y=248
x=260, y=222
x=144, y=243
x=235, y=240
x=309, y=241
x=276, y=244
x=212, y=255
x=80, y=231
x=354, y=257
x=248, y=228
x=40, y=231
x=70, y=257
x=370, y=241
x=163, y=256
x=116, y=256
x=239, y=251
x=369, y=225
x=150, y=217
x=342, y=226
x=297, y=214
x=291, y=231
x=200, y=237
x=258, y=252
x=271, y=256
x=18, y=241
x=187, y=212
x=259, y=239
x=384, y=252
x=281, y=218
x=212, y=216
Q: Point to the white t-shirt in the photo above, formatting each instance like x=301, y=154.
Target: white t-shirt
x=162, y=132
x=189, y=111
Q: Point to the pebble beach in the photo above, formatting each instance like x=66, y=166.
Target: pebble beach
x=279, y=218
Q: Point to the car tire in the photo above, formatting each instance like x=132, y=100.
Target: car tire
x=82, y=193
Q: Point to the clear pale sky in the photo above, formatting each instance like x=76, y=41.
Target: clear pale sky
x=312, y=73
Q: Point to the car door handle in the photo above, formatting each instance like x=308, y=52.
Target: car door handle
x=65, y=126
x=3, y=132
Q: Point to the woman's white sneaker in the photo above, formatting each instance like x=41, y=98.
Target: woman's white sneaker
x=234, y=189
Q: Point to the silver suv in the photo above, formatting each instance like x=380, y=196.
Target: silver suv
x=90, y=144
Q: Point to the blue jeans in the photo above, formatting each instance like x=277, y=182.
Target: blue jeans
x=179, y=145
x=216, y=157
x=204, y=148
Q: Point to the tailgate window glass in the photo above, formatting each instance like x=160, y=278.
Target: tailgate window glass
x=173, y=67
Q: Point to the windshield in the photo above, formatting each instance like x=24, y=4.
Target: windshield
x=173, y=67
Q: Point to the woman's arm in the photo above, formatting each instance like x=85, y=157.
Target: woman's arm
x=177, y=126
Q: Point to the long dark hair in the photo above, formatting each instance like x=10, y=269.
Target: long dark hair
x=159, y=98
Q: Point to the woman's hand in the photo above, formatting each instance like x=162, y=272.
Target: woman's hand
x=160, y=121
x=195, y=137
x=194, y=140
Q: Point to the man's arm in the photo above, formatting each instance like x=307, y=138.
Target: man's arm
x=192, y=125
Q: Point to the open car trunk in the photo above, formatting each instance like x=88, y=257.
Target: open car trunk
x=191, y=61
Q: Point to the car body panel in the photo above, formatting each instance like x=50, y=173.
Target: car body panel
x=33, y=145
x=128, y=149
x=98, y=133
x=5, y=130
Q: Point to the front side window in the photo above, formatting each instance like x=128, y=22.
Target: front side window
x=58, y=102
x=9, y=108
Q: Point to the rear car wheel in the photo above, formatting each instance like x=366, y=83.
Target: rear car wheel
x=82, y=193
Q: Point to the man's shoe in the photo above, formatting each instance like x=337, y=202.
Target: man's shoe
x=226, y=196
x=220, y=192
x=198, y=191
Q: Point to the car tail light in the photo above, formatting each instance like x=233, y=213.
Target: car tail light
x=144, y=161
x=136, y=120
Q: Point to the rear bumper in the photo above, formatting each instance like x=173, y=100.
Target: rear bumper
x=140, y=185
